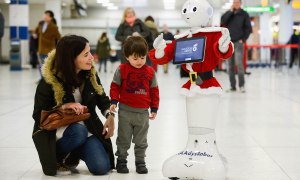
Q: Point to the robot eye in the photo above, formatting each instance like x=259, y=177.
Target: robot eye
x=194, y=9
x=184, y=10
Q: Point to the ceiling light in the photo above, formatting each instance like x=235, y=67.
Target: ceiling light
x=113, y=8
x=276, y=5
x=107, y=4
x=169, y=7
x=7, y=1
x=102, y=1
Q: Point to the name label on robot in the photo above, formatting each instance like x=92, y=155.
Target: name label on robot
x=197, y=153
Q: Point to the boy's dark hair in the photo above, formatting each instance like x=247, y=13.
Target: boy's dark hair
x=135, y=45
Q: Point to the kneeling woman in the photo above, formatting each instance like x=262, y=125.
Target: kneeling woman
x=70, y=82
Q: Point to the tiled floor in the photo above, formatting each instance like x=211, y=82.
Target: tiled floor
x=258, y=132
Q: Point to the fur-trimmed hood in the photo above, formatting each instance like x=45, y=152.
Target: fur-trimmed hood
x=151, y=25
x=57, y=86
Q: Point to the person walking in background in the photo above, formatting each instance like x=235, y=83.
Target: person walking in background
x=150, y=23
x=294, y=51
x=1, y=33
x=33, y=47
x=114, y=58
x=168, y=36
x=48, y=35
x=135, y=88
x=103, y=51
x=238, y=23
x=131, y=26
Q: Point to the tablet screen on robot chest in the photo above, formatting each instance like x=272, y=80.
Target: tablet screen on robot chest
x=189, y=50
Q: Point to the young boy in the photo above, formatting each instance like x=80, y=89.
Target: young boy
x=135, y=87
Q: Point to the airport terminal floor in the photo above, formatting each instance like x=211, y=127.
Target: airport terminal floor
x=257, y=131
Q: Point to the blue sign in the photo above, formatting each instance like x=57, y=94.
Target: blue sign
x=189, y=50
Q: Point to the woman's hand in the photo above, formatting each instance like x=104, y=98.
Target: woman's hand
x=112, y=108
x=109, y=126
x=153, y=115
x=77, y=107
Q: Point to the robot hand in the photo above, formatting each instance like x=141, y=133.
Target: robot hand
x=159, y=44
x=224, y=40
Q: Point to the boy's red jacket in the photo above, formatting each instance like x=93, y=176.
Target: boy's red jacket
x=135, y=87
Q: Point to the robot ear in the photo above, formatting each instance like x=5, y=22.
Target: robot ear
x=209, y=11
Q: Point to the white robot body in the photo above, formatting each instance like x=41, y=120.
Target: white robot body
x=200, y=159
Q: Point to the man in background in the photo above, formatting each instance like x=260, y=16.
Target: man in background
x=238, y=23
x=1, y=33
x=294, y=51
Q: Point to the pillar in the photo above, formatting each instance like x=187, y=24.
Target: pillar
x=285, y=25
x=265, y=37
x=18, y=22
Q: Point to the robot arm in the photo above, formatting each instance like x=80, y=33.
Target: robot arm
x=159, y=44
x=162, y=53
x=224, y=40
x=223, y=47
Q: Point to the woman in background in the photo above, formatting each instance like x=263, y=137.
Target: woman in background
x=103, y=51
x=131, y=26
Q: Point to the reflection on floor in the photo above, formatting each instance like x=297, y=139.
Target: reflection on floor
x=258, y=132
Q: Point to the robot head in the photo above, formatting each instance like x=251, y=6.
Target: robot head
x=197, y=13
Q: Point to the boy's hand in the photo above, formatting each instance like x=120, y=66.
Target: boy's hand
x=112, y=108
x=109, y=126
x=153, y=115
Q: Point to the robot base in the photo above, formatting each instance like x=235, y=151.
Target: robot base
x=199, y=160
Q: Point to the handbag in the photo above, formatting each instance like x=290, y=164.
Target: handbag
x=53, y=119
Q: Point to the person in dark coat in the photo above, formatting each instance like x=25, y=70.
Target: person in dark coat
x=150, y=23
x=1, y=32
x=238, y=23
x=103, y=50
x=70, y=81
x=295, y=39
x=132, y=26
x=33, y=47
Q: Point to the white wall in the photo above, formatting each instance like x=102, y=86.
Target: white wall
x=98, y=21
x=35, y=13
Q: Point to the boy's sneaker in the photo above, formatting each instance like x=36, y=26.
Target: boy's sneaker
x=231, y=90
x=141, y=167
x=122, y=166
x=61, y=169
x=242, y=89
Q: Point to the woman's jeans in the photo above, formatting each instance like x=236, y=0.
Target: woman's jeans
x=92, y=150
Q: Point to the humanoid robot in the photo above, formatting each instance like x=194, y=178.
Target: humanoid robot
x=200, y=159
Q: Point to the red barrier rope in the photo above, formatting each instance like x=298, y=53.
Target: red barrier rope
x=273, y=46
